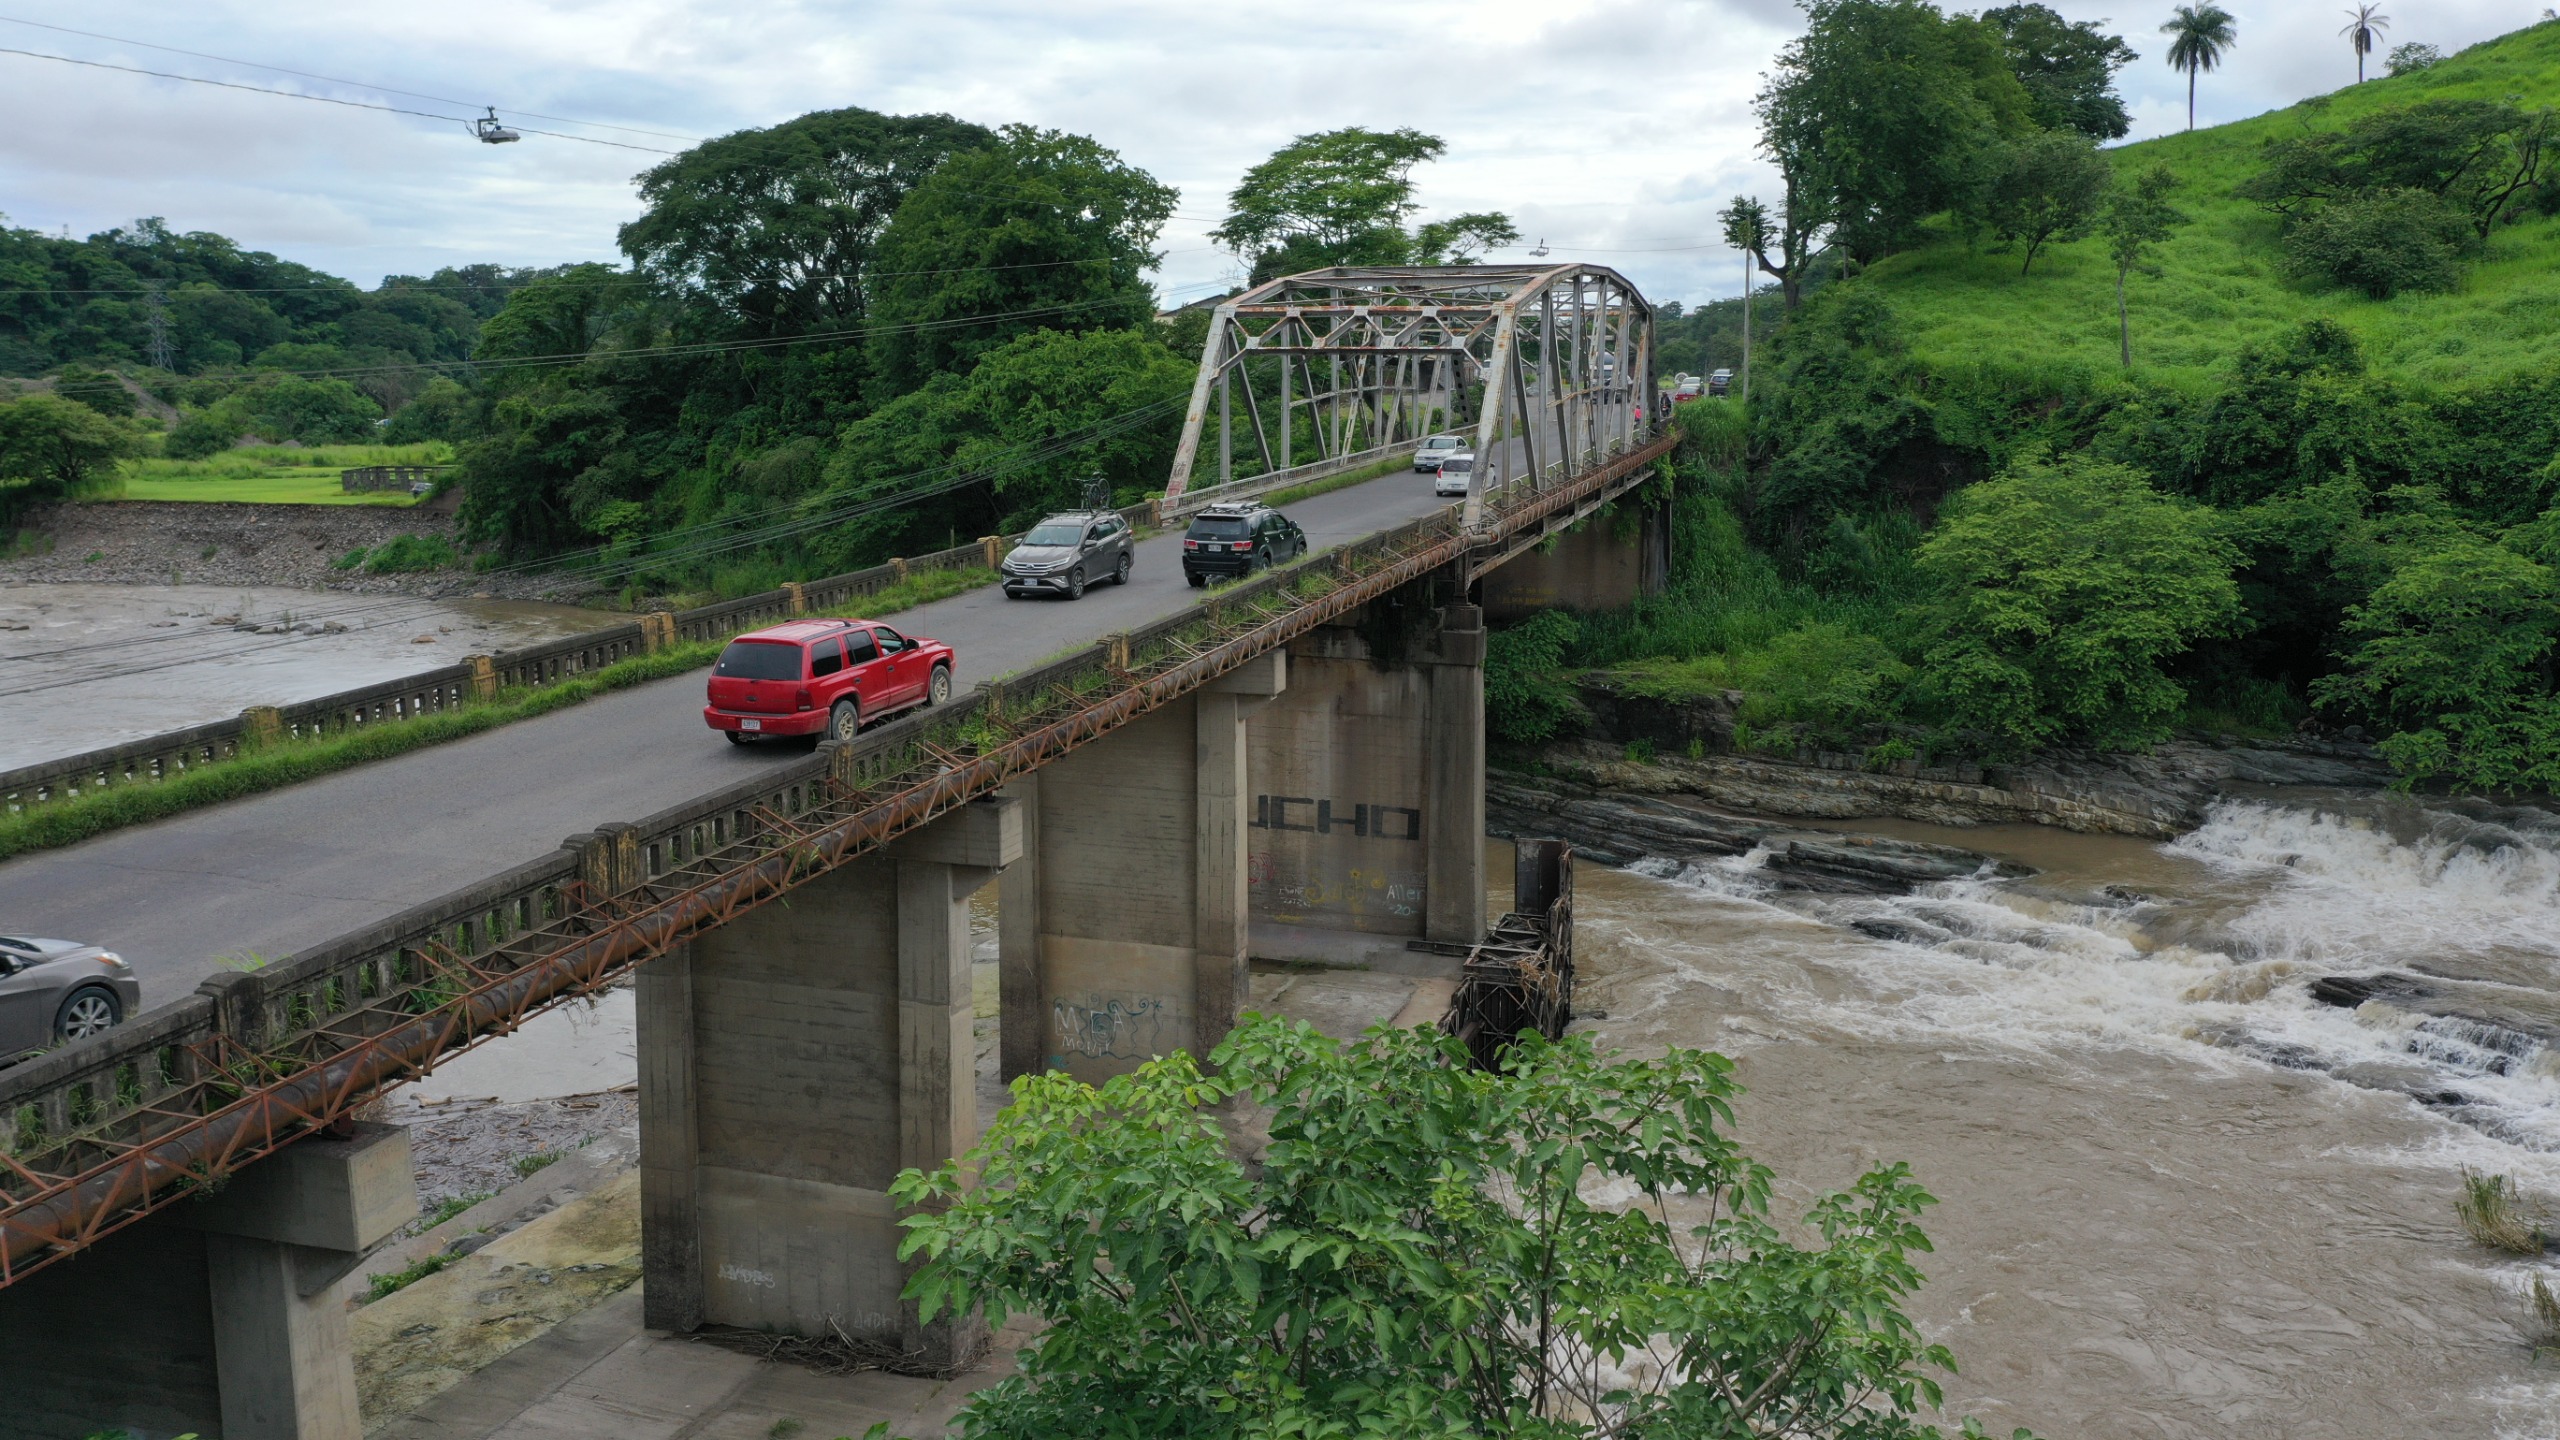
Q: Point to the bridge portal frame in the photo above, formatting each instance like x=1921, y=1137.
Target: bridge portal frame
x=1564, y=353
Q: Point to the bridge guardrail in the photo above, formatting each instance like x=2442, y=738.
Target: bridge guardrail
x=1254, y=487
x=163, y=756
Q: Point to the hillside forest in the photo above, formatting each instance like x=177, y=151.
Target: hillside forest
x=2053, y=439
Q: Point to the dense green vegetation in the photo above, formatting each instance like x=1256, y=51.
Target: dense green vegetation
x=1983, y=530
x=1416, y=1253
x=273, y=474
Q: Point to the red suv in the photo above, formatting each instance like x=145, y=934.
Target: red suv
x=811, y=677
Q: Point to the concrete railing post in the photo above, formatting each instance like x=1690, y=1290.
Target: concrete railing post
x=993, y=545
x=484, y=676
x=798, y=604
x=261, y=725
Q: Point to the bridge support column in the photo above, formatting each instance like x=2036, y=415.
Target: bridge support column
x=1124, y=933
x=1367, y=812
x=792, y=1062
x=222, y=1315
x=1611, y=560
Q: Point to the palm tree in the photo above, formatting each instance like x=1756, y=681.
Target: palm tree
x=2199, y=34
x=2363, y=23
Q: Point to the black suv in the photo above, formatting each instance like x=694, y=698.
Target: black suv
x=1236, y=539
x=1064, y=553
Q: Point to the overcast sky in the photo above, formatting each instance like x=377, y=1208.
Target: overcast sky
x=1612, y=130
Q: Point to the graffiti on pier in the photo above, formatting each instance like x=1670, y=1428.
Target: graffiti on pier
x=1323, y=817
x=1113, y=1030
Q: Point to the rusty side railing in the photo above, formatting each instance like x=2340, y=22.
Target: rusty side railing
x=105, y=1130
x=160, y=757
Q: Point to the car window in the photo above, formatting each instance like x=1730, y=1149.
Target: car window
x=759, y=660
x=891, y=642
x=20, y=946
x=1222, y=527
x=862, y=645
x=826, y=657
x=1458, y=465
x=1054, y=533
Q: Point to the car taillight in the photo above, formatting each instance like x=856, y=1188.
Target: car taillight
x=1190, y=544
x=1241, y=545
x=802, y=695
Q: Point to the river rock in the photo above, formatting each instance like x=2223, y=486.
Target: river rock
x=1620, y=829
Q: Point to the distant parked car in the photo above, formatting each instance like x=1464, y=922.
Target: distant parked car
x=1437, y=449
x=1720, y=383
x=1456, y=474
x=831, y=677
x=57, y=990
x=1064, y=553
x=1237, y=540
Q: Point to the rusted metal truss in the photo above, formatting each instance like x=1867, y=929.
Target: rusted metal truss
x=246, y=1102
x=1547, y=366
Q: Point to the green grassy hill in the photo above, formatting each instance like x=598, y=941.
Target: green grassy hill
x=2224, y=285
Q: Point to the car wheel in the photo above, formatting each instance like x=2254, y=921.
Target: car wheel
x=1075, y=583
x=738, y=737
x=845, y=720
x=1198, y=582
x=85, y=1012
x=1120, y=576
x=938, y=689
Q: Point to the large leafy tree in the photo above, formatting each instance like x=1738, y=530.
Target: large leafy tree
x=1893, y=111
x=1015, y=436
x=1038, y=231
x=2050, y=188
x=51, y=447
x=2062, y=590
x=1343, y=197
x=1418, y=1251
x=2453, y=653
x=773, y=227
x=2068, y=68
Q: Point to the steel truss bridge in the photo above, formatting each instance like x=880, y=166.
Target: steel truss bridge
x=97, y=1135
x=1547, y=367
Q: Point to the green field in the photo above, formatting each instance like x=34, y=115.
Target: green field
x=2223, y=285
x=274, y=475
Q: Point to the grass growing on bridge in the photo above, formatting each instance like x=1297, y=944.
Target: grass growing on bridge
x=290, y=762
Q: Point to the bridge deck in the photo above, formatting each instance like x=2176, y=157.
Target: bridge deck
x=123, y=1122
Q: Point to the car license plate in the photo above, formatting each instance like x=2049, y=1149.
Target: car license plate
x=750, y=724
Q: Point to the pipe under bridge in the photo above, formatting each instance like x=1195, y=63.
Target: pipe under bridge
x=1305, y=747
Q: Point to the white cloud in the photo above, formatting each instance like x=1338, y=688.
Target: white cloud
x=1612, y=128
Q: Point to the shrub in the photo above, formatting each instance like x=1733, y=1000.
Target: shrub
x=2382, y=243
x=199, y=435
x=2411, y=58
x=1825, y=676
x=1419, y=1252
x=403, y=553
x=2062, y=589
x=1526, y=695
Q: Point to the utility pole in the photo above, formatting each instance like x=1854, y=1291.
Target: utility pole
x=1746, y=329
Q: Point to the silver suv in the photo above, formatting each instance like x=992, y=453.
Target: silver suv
x=1067, y=552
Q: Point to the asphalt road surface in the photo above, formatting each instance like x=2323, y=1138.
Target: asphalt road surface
x=275, y=873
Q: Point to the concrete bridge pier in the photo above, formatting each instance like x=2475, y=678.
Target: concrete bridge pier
x=220, y=1315
x=1124, y=927
x=1367, y=819
x=792, y=1062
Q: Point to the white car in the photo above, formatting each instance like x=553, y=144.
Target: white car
x=1437, y=449
x=1457, y=471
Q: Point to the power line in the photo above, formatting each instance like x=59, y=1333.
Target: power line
x=340, y=80
x=705, y=347
x=318, y=99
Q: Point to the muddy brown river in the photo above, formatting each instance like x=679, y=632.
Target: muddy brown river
x=84, y=666
x=2180, y=1197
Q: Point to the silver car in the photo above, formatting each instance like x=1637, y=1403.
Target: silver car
x=57, y=990
x=1435, y=450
